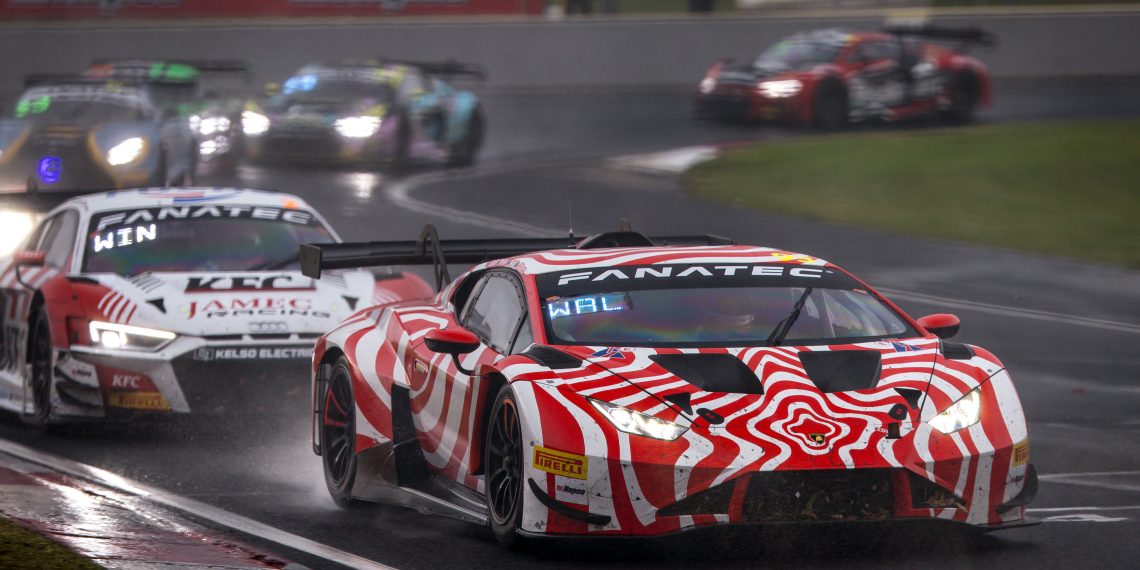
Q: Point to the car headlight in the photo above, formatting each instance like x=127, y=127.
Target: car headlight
x=707, y=85
x=17, y=226
x=358, y=127
x=113, y=336
x=126, y=152
x=254, y=123
x=780, y=89
x=638, y=423
x=207, y=126
x=961, y=414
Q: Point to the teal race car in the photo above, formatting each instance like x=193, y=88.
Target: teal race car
x=368, y=113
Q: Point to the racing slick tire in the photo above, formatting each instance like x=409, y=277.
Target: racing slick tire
x=829, y=106
x=463, y=153
x=503, y=464
x=338, y=435
x=161, y=177
x=964, y=93
x=403, y=142
x=40, y=358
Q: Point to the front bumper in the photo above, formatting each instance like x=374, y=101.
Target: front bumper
x=320, y=145
x=190, y=376
x=743, y=105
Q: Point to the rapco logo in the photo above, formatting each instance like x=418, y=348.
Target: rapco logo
x=560, y=463
x=1021, y=454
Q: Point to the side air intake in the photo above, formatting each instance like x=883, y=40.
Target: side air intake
x=842, y=370
x=712, y=372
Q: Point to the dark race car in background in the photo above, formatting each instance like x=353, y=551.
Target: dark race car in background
x=75, y=133
x=208, y=94
x=369, y=113
x=170, y=300
x=827, y=78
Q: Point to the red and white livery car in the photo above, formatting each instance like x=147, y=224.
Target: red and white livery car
x=621, y=387
x=169, y=300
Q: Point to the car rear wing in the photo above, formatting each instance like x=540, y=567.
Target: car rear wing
x=447, y=68
x=50, y=79
x=207, y=66
x=971, y=35
x=430, y=250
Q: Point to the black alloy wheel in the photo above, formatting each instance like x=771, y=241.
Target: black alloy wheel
x=965, y=92
x=40, y=357
x=338, y=435
x=503, y=464
x=830, y=107
x=463, y=152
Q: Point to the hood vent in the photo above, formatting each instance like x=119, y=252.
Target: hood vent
x=551, y=358
x=957, y=351
x=842, y=370
x=712, y=372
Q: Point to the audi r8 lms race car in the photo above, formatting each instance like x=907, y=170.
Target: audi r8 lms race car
x=169, y=300
x=369, y=113
x=75, y=133
x=620, y=387
x=829, y=77
x=210, y=94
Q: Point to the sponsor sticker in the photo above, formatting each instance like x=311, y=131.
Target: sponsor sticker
x=569, y=490
x=1021, y=453
x=252, y=353
x=560, y=463
x=137, y=400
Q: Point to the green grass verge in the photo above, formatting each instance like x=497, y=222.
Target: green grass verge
x=1069, y=189
x=22, y=549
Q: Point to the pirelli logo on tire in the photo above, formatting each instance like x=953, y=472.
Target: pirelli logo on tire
x=560, y=463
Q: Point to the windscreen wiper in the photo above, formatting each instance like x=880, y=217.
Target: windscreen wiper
x=786, y=323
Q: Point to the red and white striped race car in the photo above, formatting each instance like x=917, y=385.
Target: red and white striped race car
x=169, y=300
x=622, y=387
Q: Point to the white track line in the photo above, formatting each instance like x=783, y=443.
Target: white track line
x=1049, y=476
x=190, y=506
x=1013, y=311
x=400, y=193
x=1068, y=509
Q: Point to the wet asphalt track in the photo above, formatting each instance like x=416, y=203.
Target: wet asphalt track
x=1078, y=380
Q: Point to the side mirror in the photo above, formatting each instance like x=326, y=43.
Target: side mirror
x=941, y=325
x=454, y=341
x=29, y=259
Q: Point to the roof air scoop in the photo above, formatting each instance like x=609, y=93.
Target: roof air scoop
x=712, y=372
x=842, y=370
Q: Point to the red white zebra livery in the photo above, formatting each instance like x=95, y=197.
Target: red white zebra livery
x=631, y=478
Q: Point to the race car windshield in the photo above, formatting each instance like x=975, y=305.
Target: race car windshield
x=200, y=238
x=697, y=310
x=47, y=109
x=302, y=90
x=797, y=54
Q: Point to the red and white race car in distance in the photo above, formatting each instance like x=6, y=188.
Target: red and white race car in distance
x=827, y=78
x=169, y=300
x=620, y=387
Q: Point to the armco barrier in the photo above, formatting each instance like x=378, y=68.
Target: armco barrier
x=542, y=54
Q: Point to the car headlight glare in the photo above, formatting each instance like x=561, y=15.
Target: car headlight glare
x=707, y=85
x=638, y=423
x=358, y=127
x=17, y=226
x=780, y=89
x=113, y=336
x=961, y=414
x=207, y=126
x=126, y=152
x=254, y=123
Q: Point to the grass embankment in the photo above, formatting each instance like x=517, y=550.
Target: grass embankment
x=22, y=549
x=1069, y=189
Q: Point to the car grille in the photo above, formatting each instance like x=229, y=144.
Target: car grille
x=244, y=386
x=819, y=496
